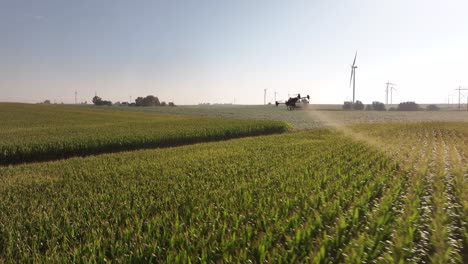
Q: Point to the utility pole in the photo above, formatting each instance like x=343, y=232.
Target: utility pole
x=459, y=96
x=450, y=97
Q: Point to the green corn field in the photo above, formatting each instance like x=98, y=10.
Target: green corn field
x=41, y=132
x=364, y=193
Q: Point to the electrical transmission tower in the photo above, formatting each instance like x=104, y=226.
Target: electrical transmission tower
x=460, y=97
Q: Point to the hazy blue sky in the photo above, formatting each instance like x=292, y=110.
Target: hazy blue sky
x=221, y=51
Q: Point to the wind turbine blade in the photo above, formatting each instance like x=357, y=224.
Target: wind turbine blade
x=351, y=78
x=355, y=55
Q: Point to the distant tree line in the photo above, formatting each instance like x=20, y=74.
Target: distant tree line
x=149, y=100
x=98, y=101
x=432, y=108
x=376, y=106
x=358, y=105
x=379, y=106
x=408, y=106
x=48, y=102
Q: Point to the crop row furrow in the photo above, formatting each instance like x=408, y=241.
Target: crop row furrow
x=373, y=239
x=407, y=232
x=458, y=185
x=452, y=205
x=351, y=221
x=441, y=250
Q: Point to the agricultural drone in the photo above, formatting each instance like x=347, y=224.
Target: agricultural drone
x=296, y=101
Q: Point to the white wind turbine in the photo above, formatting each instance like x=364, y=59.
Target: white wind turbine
x=388, y=90
x=353, y=76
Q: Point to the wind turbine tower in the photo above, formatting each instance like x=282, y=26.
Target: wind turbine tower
x=391, y=94
x=387, y=90
x=76, y=95
x=264, y=96
x=353, y=76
